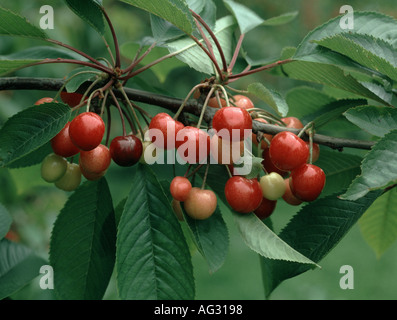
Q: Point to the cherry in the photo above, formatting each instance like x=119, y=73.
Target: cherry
x=86, y=130
x=272, y=185
x=289, y=196
x=180, y=188
x=292, y=122
x=234, y=121
x=62, y=145
x=268, y=137
x=243, y=102
x=287, y=151
x=224, y=151
x=71, y=98
x=213, y=103
x=92, y=176
x=126, y=150
x=265, y=209
x=193, y=145
x=71, y=179
x=269, y=166
x=200, y=204
x=307, y=182
x=43, y=100
x=315, y=152
x=53, y=167
x=169, y=128
x=243, y=195
x=96, y=160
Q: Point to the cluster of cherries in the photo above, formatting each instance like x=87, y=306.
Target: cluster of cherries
x=287, y=163
x=83, y=136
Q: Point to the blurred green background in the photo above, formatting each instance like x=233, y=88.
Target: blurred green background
x=34, y=204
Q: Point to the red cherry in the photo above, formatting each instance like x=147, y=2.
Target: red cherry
x=126, y=150
x=96, y=160
x=315, y=152
x=86, y=130
x=292, y=122
x=243, y=102
x=269, y=165
x=234, y=121
x=288, y=151
x=213, y=103
x=180, y=188
x=43, y=100
x=289, y=196
x=265, y=209
x=71, y=98
x=307, y=182
x=92, y=176
x=62, y=145
x=193, y=144
x=168, y=129
x=243, y=195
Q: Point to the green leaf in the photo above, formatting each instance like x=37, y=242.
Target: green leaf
x=246, y=18
x=261, y=239
x=305, y=100
x=373, y=119
x=174, y=11
x=9, y=66
x=5, y=221
x=340, y=170
x=379, y=223
x=12, y=24
x=365, y=23
x=371, y=52
x=18, y=266
x=329, y=75
x=333, y=111
x=210, y=237
x=190, y=53
x=314, y=231
x=90, y=11
x=271, y=97
x=281, y=19
x=82, y=247
x=32, y=158
x=30, y=129
x=152, y=259
x=378, y=169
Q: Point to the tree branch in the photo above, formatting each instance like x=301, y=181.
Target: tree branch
x=192, y=106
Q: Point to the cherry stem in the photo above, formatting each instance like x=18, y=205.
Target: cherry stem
x=228, y=171
x=137, y=60
x=187, y=171
x=195, y=170
x=266, y=67
x=236, y=52
x=205, y=175
x=305, y=128
x=116, y=43
x=109, y=122
x=75, y=50
x=130, y=104
x=120, y=111
x=213, y=36
x=225, y=95
x=180, y=109
x=311, y=146
x=104, y=102
x=110, y=52
x=100, y=67
x=205, y=107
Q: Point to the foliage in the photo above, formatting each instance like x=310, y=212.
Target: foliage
x=140, y=240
